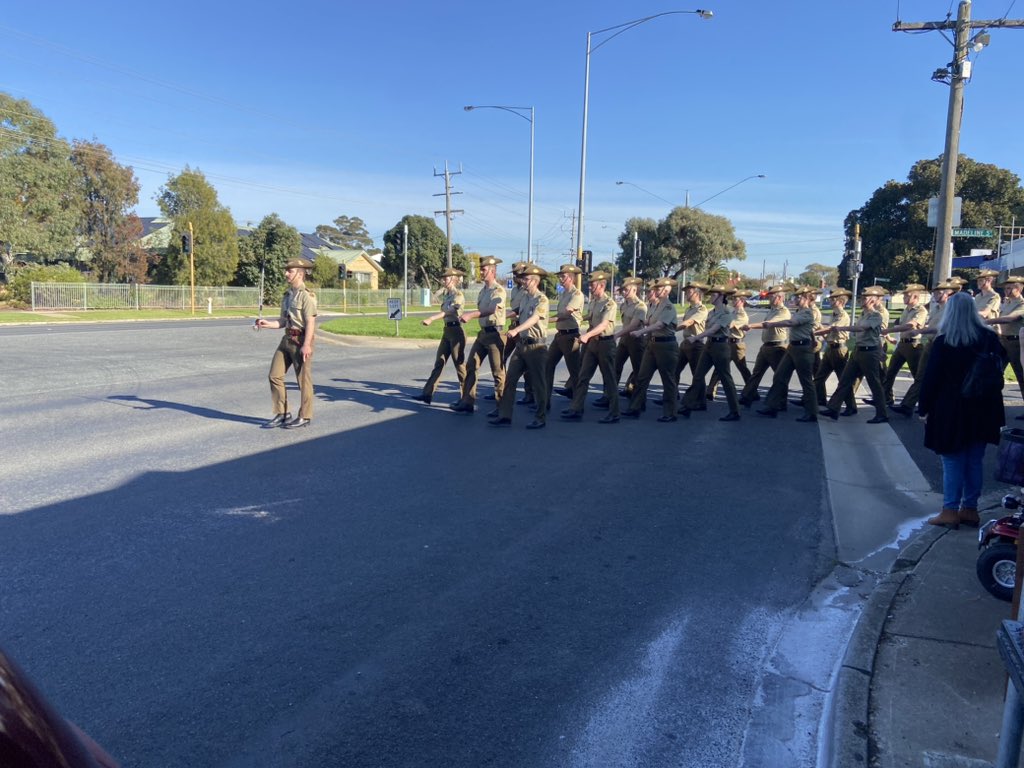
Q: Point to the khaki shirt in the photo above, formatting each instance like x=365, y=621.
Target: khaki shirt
x=885, y=316
x=298, y=308
x=917, y=315
x=1011, y=308
x=804, y=329
x=530, y=305
x=776, y=334
x=633, y=308
x=698, y=313
x=664, y=312
x=740, y=318
x=723, y=317
x=452, y=303
x=515, y=297
x=869, y=327
x=600, y=310
x=492, y=299
x=839, y=317
x=987, y=303
x=571, y=302
x=934, y=318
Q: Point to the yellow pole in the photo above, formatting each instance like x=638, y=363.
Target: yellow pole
x=192, y=264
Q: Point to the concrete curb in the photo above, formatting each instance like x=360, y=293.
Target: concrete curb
x=851, y=695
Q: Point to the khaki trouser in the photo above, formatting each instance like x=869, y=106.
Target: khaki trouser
x=597, y=353
x=799, y=358
x=689, y=355
x=910, y=399
x=453, y=345
x=717, y=355
x=661, y=356
x=565, y=345
x=630, y=348
x=862, y=364
x=1011, y=344
x=289, y=355
x=833, y=360
x=905, y=352
x=767, y=356
x=738, y=354
x=489, y=343
x=528, y=358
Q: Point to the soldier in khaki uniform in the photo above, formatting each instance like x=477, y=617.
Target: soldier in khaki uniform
x=773, y=344
x=987, y=301
x=834, y=351
x=490, y=339
x=691, y=324
x=717, y=354
x=799, y=357
x=453, y=340
x=517, y=295
x=661, y=353
x=940, y=294
x=737, y=341
x=598, y=352
x=634, y=311
x=530, y=353
x=298, y=319
x=1009, y=322
x=566, y=343
x=908, y=349
x=864, y=361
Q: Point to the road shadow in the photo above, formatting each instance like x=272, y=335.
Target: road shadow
x=148, y=403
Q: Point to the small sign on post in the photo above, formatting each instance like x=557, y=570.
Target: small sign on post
x=395, y=312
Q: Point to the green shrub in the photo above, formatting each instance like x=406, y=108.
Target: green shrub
x=21, y=285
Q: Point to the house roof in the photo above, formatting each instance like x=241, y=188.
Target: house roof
x=313, y=246
x=151, y=224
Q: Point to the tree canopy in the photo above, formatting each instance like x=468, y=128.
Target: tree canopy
x=267, y=249
x=189, y=197
x=347, y=232
x=686, y=240
x=897, y=243
x=39, y=209
x=428, y=251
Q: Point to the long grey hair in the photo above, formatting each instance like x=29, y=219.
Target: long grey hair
x=960, y=323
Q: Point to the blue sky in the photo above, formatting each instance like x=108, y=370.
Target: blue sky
x=313, y=110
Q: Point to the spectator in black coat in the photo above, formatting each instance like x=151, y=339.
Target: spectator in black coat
x=959, y=428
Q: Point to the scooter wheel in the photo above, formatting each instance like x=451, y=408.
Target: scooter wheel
x=997, y=568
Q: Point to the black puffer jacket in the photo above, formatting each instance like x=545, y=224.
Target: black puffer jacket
x=955, y=422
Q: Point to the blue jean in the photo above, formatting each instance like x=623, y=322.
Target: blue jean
x=961, y=477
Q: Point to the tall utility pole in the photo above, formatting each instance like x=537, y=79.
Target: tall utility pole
x=448, y=212
x=957, y=74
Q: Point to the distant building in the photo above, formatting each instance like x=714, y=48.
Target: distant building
x=356, y=266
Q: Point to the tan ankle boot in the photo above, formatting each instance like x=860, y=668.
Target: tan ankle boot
x=947, y=517
x=969, y=517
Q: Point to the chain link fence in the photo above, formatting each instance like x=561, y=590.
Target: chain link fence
x=87, y=296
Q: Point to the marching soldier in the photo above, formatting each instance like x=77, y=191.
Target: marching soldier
x=1009, y=322
x=598, y=352
x=865, y=361
x=490, y=341
x=298, y=319
x=834, y=352
x=530, y=353
x=799, y=357
x=737, y=340
x=634, y=311
x=987, y=301
x=773, y=344
x=940, y=294
x=661, y=353
x=453, y=340
x=691, y=324
x=717, y=354
x=517, y=296
x=908, y=350
x=566, y=343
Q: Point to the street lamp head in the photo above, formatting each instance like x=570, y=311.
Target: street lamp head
x=761, y=176
x=704, y=14
x=620, y=182
x=469, y=109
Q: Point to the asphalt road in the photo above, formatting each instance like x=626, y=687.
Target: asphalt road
x=397, y=585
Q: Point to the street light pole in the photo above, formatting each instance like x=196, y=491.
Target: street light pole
x=518, y=111
x=755, y=176
x=618, y=29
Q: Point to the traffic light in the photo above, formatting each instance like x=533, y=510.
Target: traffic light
x=186, y=244
x=586, y=262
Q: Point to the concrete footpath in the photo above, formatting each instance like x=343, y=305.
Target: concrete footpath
x=922, y=683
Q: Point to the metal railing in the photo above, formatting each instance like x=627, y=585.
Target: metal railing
x=90, y=296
